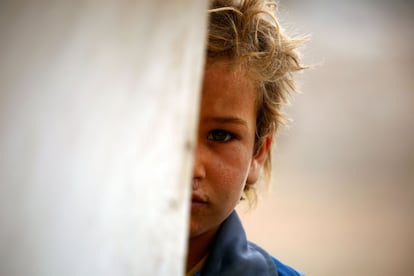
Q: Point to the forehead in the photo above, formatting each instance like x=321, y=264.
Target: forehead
x=228, y=92
x=224, y=77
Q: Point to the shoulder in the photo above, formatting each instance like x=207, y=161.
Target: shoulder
x=232, y=254
x=284, y=270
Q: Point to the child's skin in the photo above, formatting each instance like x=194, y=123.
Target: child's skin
x=224, y=157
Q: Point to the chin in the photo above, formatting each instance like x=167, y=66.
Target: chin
x=195, y=229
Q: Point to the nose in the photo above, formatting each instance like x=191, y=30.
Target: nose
x=199, y=170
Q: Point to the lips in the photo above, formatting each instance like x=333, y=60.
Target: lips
x=198, y=201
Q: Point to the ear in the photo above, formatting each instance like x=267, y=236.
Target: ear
x=258, y=161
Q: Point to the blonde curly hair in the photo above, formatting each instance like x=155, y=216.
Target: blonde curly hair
x=247, y=33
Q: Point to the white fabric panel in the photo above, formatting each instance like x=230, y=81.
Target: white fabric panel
x=98, y=109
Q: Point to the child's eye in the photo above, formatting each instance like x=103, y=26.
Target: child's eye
x=220, y=135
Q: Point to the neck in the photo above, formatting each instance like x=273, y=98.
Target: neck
x=198, y=247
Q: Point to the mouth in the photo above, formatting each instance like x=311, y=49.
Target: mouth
x=197, y=201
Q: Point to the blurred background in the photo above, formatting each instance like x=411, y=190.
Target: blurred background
x=342, y=197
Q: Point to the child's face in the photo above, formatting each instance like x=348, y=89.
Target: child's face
x=224, y=160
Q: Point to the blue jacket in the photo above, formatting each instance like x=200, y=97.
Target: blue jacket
x=232, y=255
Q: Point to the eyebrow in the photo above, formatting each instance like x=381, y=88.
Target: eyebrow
x=227, y=120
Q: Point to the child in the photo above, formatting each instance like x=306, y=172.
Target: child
x=247, y=78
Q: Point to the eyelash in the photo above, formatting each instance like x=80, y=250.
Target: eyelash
x=213, y=135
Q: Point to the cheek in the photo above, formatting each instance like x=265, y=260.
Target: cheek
x=232, y=170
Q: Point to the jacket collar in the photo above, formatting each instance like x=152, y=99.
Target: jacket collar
x=231, y=254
